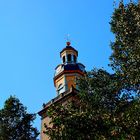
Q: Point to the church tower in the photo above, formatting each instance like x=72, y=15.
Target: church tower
x=65, y=82
x=67, y=73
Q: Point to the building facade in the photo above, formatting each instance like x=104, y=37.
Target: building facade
x=65, y=82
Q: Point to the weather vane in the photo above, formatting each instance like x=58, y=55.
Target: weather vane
x=68, y=39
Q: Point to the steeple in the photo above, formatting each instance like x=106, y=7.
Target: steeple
x=65, y=81
x=67, y=73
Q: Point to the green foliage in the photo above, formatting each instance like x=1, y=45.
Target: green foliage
x=15, y=122
x=104, y=111
x=108, y=105
x=125, y=59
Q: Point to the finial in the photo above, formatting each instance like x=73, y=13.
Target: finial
x=68, y=43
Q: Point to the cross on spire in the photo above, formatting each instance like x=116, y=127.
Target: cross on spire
x=68, y=37
x=68, y=40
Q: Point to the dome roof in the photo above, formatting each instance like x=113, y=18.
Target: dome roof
x=68, y=47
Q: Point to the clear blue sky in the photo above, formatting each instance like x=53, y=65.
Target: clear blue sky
x=33, y=32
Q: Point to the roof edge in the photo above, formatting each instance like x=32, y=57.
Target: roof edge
x=69, y=48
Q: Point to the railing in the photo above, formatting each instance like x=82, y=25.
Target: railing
x=57, y=98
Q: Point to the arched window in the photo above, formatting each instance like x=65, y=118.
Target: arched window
x=64, y=59
x=74, y=57
x=69, y=57
x=60, y=89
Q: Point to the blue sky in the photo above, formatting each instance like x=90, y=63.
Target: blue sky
x=33, y=32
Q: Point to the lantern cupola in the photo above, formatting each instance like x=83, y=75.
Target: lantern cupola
x=67, y=73
x=69, y=54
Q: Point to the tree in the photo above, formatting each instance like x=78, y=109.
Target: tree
x=104, y=111
x=15, y=122
x=109, y=104
x=125, y=59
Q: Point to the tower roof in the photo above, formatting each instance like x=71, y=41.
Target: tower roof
x=68, y=47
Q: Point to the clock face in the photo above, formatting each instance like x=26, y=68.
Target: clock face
x=58, y=69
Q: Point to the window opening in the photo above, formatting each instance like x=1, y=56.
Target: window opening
x=64, y=60
x=69, y=57
x=60, y=89
x=74, y=58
